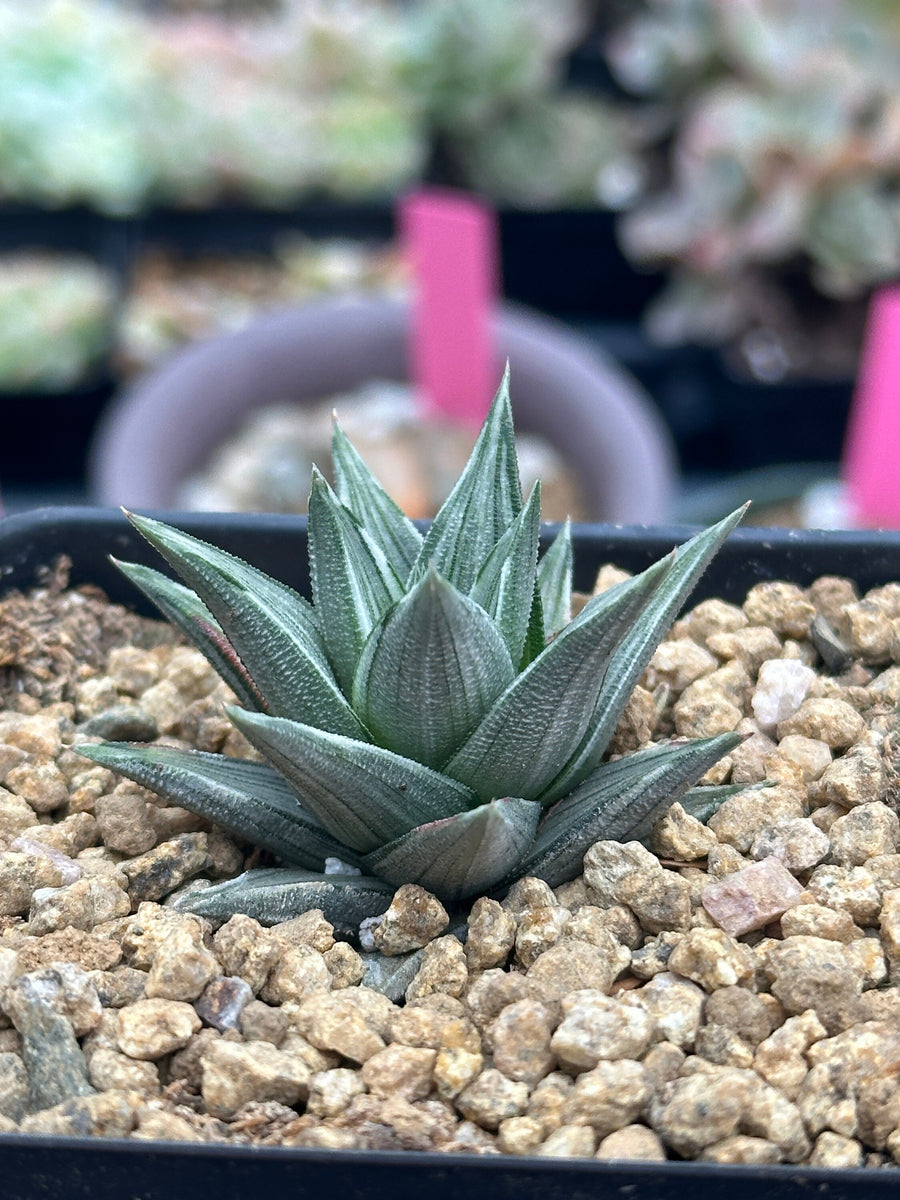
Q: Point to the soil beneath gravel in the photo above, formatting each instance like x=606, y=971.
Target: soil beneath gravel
x=728, y=993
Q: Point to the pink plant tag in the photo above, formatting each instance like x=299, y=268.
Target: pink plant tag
x=450, y=243
x=871, y=466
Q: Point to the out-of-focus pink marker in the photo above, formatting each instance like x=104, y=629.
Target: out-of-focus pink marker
x=450, y=243
x=871, y=466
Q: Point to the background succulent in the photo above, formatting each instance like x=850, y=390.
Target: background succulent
x=777, y=197
x=434, y=717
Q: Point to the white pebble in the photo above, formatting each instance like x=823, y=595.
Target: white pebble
x=781, y=688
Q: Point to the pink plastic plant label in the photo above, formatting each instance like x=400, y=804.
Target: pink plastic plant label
x=450, y=243
x=871, y=467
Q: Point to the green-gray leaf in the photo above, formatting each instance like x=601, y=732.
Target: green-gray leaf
x=271, y=628
x=638, y=646
x=485, y=501
x=539, y=722
x=377, y=513
x=555, y=581
x=362, y=794
x=249, y=799
x=464, y=855
x=185, y=609
x=505, y=585
x=352, y=582
x=429, y=672
x=620, y=801
x=275, y=894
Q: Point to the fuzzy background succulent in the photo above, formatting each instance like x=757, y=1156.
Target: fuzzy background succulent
x=434, y=717
x=777, y=198
x=127, y=105
x=56, y=320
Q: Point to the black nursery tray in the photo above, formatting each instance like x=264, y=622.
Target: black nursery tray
x=51, y=1168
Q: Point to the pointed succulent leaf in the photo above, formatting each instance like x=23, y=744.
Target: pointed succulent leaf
x=274, y=894
x=620, y=801
x=540, y=720
x=534, y=636
x=352, y=581
x=377, y=513
x=637, y=648
x=185, y=609
x=362, y=794
x=430, y=671
x=702, y=802
x=505, y=585
x=463, y=855
x=271, y=628
x=485, y=501
x=555, y=581
x=249, y=799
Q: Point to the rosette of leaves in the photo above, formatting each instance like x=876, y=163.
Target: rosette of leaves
x=434, y=716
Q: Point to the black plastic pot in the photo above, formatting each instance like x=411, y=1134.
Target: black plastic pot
x=46, y=435
x=50, y=1168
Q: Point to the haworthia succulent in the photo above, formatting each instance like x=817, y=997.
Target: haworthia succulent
x=436, y=717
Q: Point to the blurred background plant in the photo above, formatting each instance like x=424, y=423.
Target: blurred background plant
x=775, y=195
x=56, y=316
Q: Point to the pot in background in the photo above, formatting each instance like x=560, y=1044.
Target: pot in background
x=576, y=397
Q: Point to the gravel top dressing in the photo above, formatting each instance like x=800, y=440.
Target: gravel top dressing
x=727, y=994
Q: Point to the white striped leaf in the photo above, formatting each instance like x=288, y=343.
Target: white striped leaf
x=463, y=855
x=540, y=720
x=377, y=513
x=619, y=802
x=274, y=894
x=637, y=648
x=362, y=794
x=505, y=584
x=271, y=628
x=429, y=672
x=554, y=576
x=249, y=799
x=353, y=584
x=185, y=609
x=484, y=502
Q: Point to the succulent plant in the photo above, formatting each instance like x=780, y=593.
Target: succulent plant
x=434, y=716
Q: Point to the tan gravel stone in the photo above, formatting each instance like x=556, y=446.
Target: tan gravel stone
x=608, y=1097
x=341, y=1021
x=740, y=819
x=182, y=966
x=674, y=1004
x=680, y=836
x=781, y=1057
x=571, y=965
x=538, y=930
x=400, y=1070
x=344, y=965
x=815, y=920
x=235, y=1074
x=714, y=616
x=679, y=663
x=108, y=1114
x=824, y=1104
x=795, y=841
x=780, y=606
x=160, y=1126
x=693, y=1113
x=41, y=784
x=742, y=1011
x=108, y=1069
x=520, y=1037
x=492, y=1098
x=243, y=947
x=866, y=831
x=831, y=721
x=152, y=1028
x=742, y=1148
x=443, y=969
x=412, y=920
x=330, y=1092
x=123, y=818
x=712, y=959
x=569, y=1141
x=869, y=1050
x=491, y=935
x=856, y=778
x=851, y=889
x=632, y=1142
x=833, y=1150
x=595, y=1026
x=703, y=710
x=298, y=972
x=455, y=1068
x=519, y=1135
